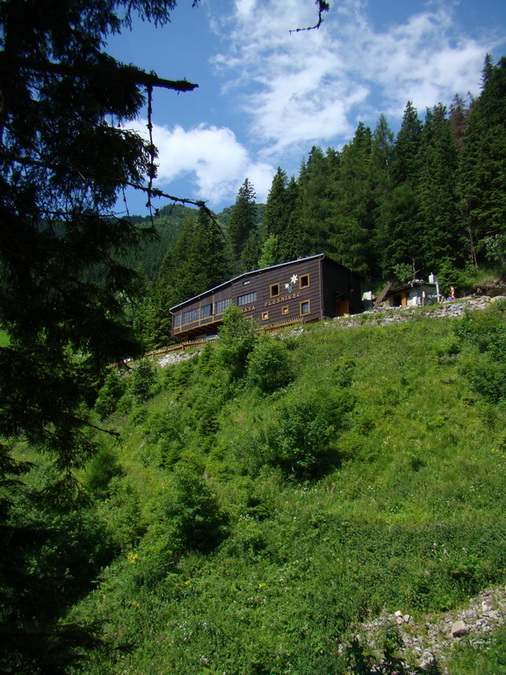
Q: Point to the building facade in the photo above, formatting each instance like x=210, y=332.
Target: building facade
x=301, y=290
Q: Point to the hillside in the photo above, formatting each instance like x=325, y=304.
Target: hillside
x=263, y=507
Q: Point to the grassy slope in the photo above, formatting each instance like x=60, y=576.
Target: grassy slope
x=411, y=518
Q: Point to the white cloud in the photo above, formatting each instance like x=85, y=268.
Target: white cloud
x=211, y=156
x=313, y=86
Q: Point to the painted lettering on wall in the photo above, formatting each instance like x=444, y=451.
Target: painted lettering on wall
x=283, y=298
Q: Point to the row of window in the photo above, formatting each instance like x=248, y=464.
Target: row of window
x=220, y=306
x=204, y=312
x=192, y=315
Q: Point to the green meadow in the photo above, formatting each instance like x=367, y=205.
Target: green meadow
x=268, y=495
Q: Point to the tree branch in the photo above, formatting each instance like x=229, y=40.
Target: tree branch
x=123, y=72
x=323, y=6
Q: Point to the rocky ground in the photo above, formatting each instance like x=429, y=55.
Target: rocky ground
x=430, y=640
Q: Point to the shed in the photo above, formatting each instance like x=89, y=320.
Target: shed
x=416, y=293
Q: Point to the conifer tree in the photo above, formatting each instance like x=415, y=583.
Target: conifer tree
x=399, y=236
x=63, y=292
x=314, y=203
x=352, y=218
x=198, y=262
x=442, y=247
x=278, y=222
x=242, y=226
x=63, y=165
x=483, y=166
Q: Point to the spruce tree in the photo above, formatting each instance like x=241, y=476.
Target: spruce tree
x=400, y=235
x=197, y=263
x=243, y=222
x=278, y=224
x=442, y=247
x=314, y=203
x=352, y=217
x=483, y=166
x=63, y=165
x=65, y=156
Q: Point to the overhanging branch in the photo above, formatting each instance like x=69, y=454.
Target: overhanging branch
x=323, y=6
x=123, y=72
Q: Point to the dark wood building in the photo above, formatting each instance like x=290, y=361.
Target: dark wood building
x=302, y=290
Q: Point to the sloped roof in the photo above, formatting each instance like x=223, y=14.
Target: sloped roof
x=247, y=274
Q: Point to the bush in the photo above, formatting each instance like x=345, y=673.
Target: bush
x=143, y=383
x=101, y=469
x=198, y=521
x=236, y=339
x=109, y=396
x=303, y=442
x=485, y=364
x=343, y=371
x=269, y=365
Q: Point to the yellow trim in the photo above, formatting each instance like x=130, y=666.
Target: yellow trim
x=303, y=302
x=285, y=310
x=302, y=276
x=274, y=295
x=265, y=316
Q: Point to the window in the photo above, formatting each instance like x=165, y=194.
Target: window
x=285, y=310
x=304, y=281
x=191, y=315
x=176, y=321
x=274, y=290
x=305, y=307
x=265, y=316
x=221, y=305
x=247, y=299
x=205, y=311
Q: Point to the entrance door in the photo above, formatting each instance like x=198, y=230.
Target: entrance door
x=342, y=307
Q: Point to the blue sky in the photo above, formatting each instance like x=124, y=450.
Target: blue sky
x=266, y=95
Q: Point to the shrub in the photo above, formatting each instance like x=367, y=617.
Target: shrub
x=236, y=339
x=343, y=371
x=197, y=519
x=303, y=442
x=109, y=396
x=101, y=469
x=269, y=365
x=143, y=383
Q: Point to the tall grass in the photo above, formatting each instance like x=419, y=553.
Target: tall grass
x=372, y=479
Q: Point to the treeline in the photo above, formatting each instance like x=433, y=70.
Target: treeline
x=429, y=200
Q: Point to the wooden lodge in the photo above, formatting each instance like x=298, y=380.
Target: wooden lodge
x=303, y=290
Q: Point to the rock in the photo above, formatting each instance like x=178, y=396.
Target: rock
x=426, y=660
x=459, y=628
x=406, y=618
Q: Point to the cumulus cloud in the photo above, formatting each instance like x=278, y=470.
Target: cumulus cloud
x=211, y=157
x=314, y=86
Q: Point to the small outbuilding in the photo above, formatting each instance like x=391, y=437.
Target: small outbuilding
x=303, y=290
x=416, y=293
